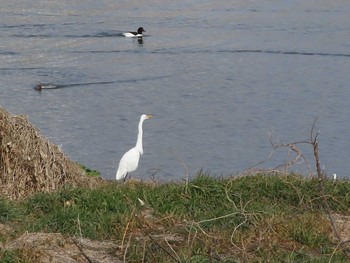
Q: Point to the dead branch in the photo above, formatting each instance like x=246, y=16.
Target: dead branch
x=313, y=141
x=298, y=159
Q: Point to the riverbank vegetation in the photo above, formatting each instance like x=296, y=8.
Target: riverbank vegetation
x=51, y=211
x=257, y=218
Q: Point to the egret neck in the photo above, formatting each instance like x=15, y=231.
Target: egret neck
x=139, y=146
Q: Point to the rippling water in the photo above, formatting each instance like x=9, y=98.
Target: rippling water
x=217, y=75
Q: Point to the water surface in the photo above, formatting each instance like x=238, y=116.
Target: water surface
x=217, y=76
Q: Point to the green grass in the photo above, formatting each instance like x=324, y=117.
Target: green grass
x=253, y=219
x=90, y=172
x=11, y=257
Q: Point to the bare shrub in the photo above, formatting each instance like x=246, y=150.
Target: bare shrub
x=29, y=163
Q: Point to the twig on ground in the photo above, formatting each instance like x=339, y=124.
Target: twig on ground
x=127, y=228
x=81, y=250
x=126, y=248
x=164, y=249
x=179, y=159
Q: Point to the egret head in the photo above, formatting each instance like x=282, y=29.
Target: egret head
x=145, y=117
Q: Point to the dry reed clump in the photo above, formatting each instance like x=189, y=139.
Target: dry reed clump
x=29, y=163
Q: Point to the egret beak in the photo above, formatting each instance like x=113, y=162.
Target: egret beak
x=149, y=116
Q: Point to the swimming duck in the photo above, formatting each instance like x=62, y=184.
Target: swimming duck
x=42, y=86
x=134, y=34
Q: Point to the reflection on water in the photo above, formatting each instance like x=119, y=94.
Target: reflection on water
x=140, y=40
x=218, y=77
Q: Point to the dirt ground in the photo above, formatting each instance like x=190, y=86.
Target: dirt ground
x=55, y=248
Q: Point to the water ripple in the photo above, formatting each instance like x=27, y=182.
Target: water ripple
x=193, y=51
x=285, y=52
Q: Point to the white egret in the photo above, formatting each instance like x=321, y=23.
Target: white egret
x=130, y=160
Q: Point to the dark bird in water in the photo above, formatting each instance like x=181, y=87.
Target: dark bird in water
x=139, y=32
x=42, y=86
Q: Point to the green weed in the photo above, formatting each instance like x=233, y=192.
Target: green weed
x=254, y=218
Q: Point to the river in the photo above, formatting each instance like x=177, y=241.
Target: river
x=218, y=76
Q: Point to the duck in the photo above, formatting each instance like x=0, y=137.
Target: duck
x=134, y=34
x=42, y=86
x=39, y=87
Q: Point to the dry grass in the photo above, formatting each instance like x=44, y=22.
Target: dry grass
x=258, y=218
x=29, y=163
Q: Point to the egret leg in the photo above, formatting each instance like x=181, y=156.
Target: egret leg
x=125, y=177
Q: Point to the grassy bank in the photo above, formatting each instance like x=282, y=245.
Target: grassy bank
x=259, y=218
